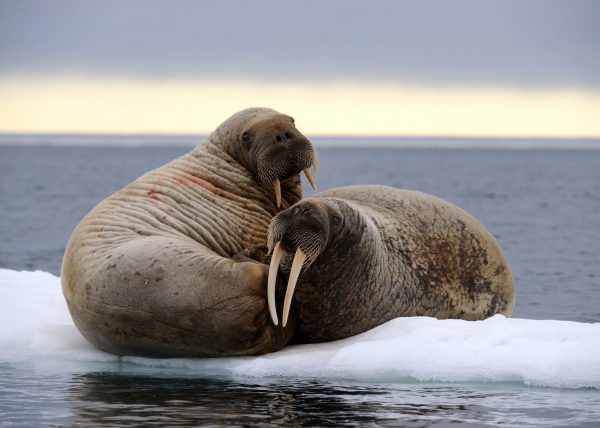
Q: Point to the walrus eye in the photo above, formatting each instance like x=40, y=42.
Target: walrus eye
x=246, y=138
x=336, y=220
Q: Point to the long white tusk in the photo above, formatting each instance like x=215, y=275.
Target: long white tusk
x=310, y=179
x=294, y=273
x=273, y=268
x=277, y=189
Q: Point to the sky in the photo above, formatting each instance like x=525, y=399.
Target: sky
x=431, y=68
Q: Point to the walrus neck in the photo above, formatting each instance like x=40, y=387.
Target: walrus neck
x=225, y=144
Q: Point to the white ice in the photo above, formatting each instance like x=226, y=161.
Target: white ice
x=36, y=329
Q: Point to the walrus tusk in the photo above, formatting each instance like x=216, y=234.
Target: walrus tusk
x=310, y=179
x=273, y=268
x=294, y=273
x=277, y=188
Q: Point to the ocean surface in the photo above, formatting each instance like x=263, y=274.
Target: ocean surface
x=541, y=199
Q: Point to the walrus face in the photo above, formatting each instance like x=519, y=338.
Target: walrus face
x=305, y=230
x=277, y=151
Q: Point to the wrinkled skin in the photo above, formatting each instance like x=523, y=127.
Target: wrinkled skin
x=374, y=253
x=162, y=267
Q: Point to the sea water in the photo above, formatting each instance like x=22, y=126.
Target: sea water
x=539, y=368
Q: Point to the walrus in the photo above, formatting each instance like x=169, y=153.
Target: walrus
x=359, y=256
x=165, y=267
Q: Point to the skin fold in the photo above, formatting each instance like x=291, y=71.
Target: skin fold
x=168, y=265
x=369, y=254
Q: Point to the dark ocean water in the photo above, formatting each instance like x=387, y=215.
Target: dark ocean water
x=543, y=206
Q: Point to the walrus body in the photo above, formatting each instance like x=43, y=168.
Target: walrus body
x=152, y=270
x=368, y=254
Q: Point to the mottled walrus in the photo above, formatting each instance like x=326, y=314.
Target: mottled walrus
x=158, y=268
x=359, y=256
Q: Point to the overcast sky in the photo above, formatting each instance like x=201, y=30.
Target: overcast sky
x=497, y=67
x=516, y=43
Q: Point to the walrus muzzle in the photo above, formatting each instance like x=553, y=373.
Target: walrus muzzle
x=279, y=151
x=301, y=230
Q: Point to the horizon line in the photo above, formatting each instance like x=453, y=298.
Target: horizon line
x=315, y=135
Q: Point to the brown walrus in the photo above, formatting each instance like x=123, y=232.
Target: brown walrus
x=160, y=267
x=359, y=256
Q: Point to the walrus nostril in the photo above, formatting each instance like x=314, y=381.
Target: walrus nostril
x=287, y=135
x=302, y=211
x=278, y=139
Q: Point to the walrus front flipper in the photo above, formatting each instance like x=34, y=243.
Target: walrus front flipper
x=258, y=254
x=178, y=299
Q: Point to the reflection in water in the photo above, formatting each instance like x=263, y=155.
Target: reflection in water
x=150, y=398
x=119, y=399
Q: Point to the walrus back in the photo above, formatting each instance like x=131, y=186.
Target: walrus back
x=460, y=267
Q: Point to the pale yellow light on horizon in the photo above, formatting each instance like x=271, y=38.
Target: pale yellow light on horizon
x=90, y=105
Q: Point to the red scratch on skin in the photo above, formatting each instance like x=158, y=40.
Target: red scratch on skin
x=153, y=194
x=190, y=180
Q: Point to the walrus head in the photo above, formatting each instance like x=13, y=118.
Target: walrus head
x=304, y=230
x=271, y=147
